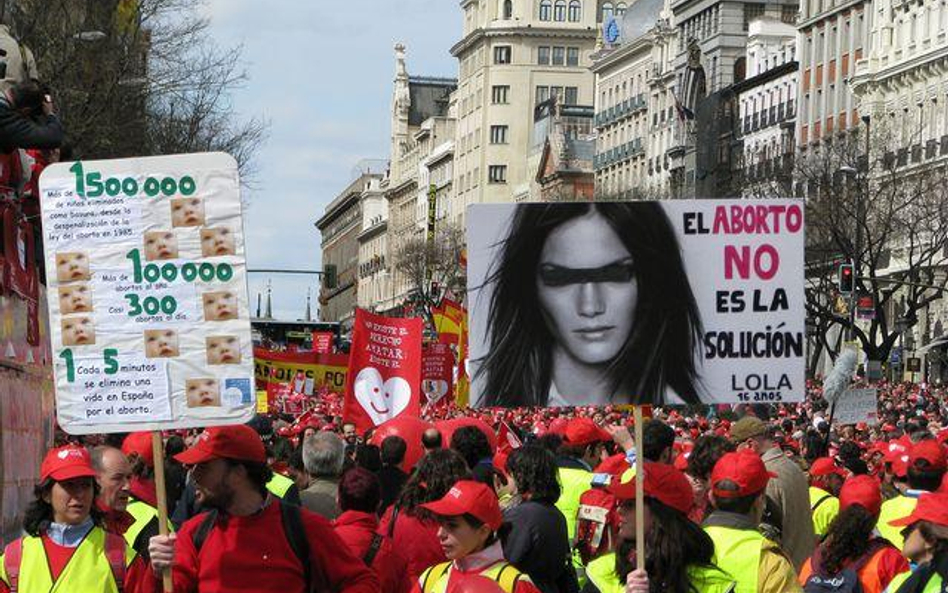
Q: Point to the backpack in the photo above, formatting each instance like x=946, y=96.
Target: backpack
x=114, y=553
x=506, y=579
x=292, y=529
x=594, y=521
x=846, y=580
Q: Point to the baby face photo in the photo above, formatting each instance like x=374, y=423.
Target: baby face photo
x=72, y=266
x=161, y=343
x=187, y=212
x=78, y=331
x=203, y=393
x=223, y=350
x=75, y=298
x=217, y=241
x=220, y=306
x=160, y=245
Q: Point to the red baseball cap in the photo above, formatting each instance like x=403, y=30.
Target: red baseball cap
x=744, y=468
x=931, y=507
x=864, y=490
x=929, y=451
x=139, y=443
x=583, y=431
x=238, y=442
x=469, y=498
x=66, y=463
x=826, y=466
x=663, y=483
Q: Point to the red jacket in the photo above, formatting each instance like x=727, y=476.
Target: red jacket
x=252, y=554
x=356, y=529
x=469, y=571
x=416, y=540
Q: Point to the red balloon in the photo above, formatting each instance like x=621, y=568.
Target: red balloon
x=409, y=428
x=558, y=426
x=447, y=428
x=475, y=584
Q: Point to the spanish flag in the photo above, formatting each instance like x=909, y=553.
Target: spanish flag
x=448, y=319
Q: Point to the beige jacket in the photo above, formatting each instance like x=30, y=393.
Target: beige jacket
x=791, y=492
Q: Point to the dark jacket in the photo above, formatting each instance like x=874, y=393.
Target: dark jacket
x=18, y=131
x=538, y=545
x=391, y=480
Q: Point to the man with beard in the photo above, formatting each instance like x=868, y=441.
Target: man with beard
x=250, y=540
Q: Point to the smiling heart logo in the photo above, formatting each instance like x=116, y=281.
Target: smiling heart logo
x=434, y=389
x=381, y=400
x=63, y=454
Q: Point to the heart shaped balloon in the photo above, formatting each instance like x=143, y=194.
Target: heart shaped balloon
x=381, y=400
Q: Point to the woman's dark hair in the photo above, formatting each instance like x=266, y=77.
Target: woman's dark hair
x=173, y=446
x=659, y=352
x=359, y=490
x=433, y=477
x=472, y=444
x=672, y=543
x=708, y=449
x=656, y=437
x=368, y=457
x=741, y=505
x=922, y=476
x=939, y=544
x=534, y=470
x=848, y=536
x=39, y=513
x=551, y=442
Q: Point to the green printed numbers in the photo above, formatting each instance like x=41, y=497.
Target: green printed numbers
x=169, y=272
x=91, y=185
x=111, y=362
x=150, y=305
x=66, y=355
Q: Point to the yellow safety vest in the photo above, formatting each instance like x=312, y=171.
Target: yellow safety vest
x=895, y=508
x=279, y=484
x=601, y=572
x=573, y=483
x=144, y=514
x=87, y=570
x=932, y=586
x=435, y=578
x=737, y=552
x=823, y=512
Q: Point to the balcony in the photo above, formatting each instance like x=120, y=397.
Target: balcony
x=944, y=145
x=901, y=157
x=917, y=153
x=931, y=149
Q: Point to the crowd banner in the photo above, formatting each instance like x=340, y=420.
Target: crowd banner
x=322, y=342
x=858, y=405
x=384, y=379
x=148, y=309
x=672, y=302
x=437, y=374
x=273, y=368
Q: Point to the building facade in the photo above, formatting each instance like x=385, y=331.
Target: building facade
x=513, y=55
x=339, y=227
x=565, y=168
x=375, y=279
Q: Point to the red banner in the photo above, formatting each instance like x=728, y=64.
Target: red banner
x=384, y=369
x=322, y=342
x=324, y=370
x=437, y=374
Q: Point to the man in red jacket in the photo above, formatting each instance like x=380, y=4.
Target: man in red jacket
x=358, y=498
x=250, y=541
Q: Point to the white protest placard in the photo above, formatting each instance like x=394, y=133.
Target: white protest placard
x=671, y=302
x=857, y=405
x=148, y=308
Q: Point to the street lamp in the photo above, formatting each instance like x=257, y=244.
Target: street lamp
x=90, y=36
x=857, y=250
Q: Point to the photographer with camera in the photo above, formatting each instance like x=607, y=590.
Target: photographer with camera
x=27, y=119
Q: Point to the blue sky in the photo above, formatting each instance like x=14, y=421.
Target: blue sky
x=321, y=72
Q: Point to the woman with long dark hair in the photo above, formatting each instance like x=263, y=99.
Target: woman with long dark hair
x=65, y=547
x=678, y=552
x=539, y=543
x=412, y=529
x=591, y=305
x=851, y=541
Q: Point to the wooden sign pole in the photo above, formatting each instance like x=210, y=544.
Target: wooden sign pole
x=639, y=491
x=158, y=449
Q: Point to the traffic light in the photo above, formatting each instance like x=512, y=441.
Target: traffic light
x=329, y=276
x=846, y=278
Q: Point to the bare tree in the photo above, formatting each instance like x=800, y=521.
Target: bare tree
x=432, y=268
x=138, y=78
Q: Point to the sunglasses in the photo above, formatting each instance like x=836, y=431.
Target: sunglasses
x=553, y=275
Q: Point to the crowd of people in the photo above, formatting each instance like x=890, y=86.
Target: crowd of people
x=755, y=499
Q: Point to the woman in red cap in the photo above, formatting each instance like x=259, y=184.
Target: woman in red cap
x=65, y=548
x=470, y=522
x=926, y=545
x=851, y=542
x=678, y=552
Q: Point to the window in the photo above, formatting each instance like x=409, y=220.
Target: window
x=572, y=96
x=498, y=93
x=497, y=174
x=752, y=11
x=557, y=91
x=543, y=55
x=788, y=14
x=575, y=11
x=508, y=9
x=572, y=56
x=620, y=9
x=546, y=7
x=559, y=10
x=559, y=56
x=607, y=11
x=498, y=134
x=502, y=54
x=543, y=93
